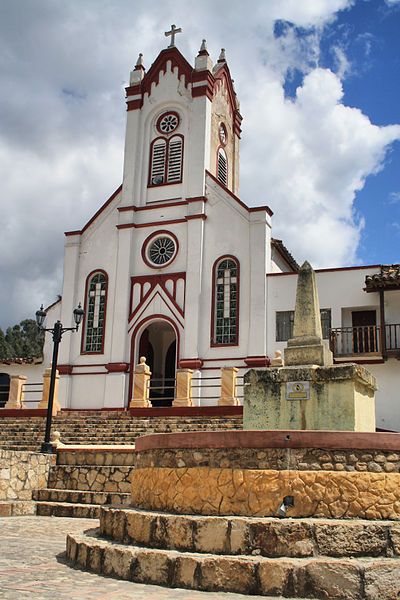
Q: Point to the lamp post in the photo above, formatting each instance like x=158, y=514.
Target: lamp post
x=57, y=332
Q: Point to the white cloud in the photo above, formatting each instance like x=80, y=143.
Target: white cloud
x=62, y=107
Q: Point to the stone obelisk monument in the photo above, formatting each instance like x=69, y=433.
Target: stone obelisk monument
x=307, y=391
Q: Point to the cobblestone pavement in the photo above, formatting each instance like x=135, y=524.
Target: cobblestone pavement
x=32, y=566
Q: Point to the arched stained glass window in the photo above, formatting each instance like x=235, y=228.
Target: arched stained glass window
x=226, y=302
x=95, y=313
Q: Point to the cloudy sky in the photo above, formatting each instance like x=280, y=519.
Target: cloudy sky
x=318, y=81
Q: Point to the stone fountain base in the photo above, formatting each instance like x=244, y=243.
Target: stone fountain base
x=204, y=506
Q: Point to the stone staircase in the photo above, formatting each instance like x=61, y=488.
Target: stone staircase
x=84, y=479
x=88, y=474
x=303, y=558
x=102, y=427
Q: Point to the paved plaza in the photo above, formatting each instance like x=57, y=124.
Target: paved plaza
x=32, y=565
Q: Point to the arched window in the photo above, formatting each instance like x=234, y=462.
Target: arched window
x=225, y=317
x=95, y=313
x=222, y=167
x=166, y=160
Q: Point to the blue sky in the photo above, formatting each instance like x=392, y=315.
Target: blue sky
x=319, y=84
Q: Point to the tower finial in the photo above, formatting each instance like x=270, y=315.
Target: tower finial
x=203, y=47
x=222, y=57
x=139, y=62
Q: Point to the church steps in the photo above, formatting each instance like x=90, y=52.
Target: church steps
x=49, y=495
x=101, y=427
x=67, y=509
x=312, y=577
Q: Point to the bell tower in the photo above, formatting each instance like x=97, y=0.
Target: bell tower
x=182, y=121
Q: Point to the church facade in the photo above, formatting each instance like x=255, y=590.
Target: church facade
x=177, y=268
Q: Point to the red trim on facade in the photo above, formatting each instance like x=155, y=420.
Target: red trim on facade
x=148, y=240
x=257, y=361
x=154, y=280
x=103, y=207
x=134, y=341
x=162, y=204
x=64, y=369
x=157, y=223
x=271, y=439
x=121, y=367
x=232, y=195
x=187, y=411
x=329, y=270
x=376, y=361
x=214, y=344
x=134, y=104
x=23, y=412
x=83, y=334
x=190, y=363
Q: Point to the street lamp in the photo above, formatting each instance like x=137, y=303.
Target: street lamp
x=57, y=332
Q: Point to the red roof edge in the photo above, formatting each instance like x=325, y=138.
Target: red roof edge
x=238, y=200
x=103, y=207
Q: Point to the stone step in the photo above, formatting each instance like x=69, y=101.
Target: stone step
x=66, y=509
x=81, y=497
x=270, y=536
x=334, y=578
x=91, y=478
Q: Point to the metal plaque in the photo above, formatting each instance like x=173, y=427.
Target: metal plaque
x=298, y=390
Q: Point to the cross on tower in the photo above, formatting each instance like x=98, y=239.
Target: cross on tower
x=97, y=293
x=172, y=33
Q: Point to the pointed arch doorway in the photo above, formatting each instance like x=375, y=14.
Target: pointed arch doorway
x=158, y=343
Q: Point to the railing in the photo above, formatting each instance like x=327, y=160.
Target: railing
x=161, y=391
x=392, y=337
x=185, y=390
x=350, y=341
x=32, y=393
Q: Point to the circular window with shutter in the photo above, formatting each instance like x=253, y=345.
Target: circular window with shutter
x=160, y=249
x=167, y=122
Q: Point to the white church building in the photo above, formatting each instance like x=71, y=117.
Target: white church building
x=174, y=266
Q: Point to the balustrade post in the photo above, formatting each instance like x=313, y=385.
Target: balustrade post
x=141, y=378
x=16, y=393
x=43, y=404
x=228, y=387
x=183, y=394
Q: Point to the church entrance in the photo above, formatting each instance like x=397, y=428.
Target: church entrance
x=158, y=344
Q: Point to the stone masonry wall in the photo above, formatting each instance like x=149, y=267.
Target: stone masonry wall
x=23, y=472
x=280, y=459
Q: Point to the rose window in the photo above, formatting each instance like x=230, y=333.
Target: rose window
x=168, y=122
x=161, y=250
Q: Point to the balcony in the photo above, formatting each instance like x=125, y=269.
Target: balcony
x=365, y=342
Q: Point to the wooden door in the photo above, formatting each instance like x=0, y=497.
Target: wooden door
x=365, y=337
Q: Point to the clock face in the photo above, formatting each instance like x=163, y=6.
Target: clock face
x=222, y=134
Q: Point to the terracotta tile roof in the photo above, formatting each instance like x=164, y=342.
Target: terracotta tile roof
x=388, y=278
x=286, y=255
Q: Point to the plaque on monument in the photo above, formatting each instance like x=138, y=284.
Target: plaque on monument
x=298, y=390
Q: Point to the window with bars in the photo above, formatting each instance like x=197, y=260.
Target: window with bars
x=166, y=160
x=222, y=167
x=95, y=312
x=285, y=321
x=226, y=302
